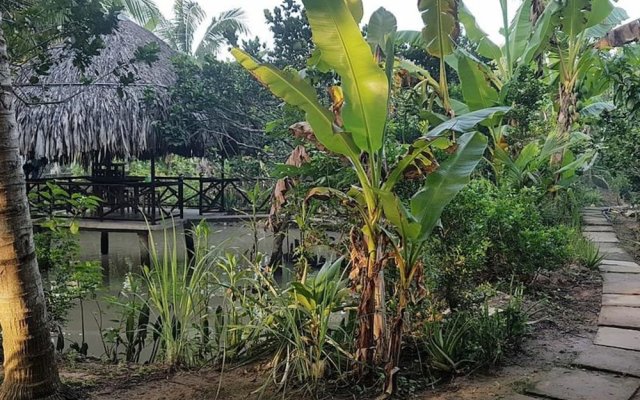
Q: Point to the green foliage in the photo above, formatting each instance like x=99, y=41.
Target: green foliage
x=215, y=105
x=132, y=323
x=67, y=279
x=292, y=43
x=620, y=136
x=491, y=234
x=179, y=294
x=309, y=335
x=57, y=251
x=479, y=337
x=585, y=252
x=527, y=96
x=30, y=29
x=180, y=31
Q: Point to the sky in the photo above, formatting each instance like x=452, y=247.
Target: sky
x=487, y=13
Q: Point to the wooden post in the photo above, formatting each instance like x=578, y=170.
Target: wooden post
x=143, y=240
x=153, y=178
x=223, y=186
x=181, y=195
x=104, y=243
x=200, y=195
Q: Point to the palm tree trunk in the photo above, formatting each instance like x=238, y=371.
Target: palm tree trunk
x=29, y=363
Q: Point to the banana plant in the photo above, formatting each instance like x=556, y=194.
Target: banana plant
x=579, y=23
x=353, y=127
x=525, y=169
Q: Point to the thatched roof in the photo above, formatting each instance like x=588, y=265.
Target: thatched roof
x=104, y=118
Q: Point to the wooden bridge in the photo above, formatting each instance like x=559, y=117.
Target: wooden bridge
x=131, y=198
x=131, y=204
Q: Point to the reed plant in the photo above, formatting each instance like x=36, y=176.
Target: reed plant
x=179, y=292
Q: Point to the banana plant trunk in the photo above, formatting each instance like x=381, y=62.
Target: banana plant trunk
x=372, y=336
x=29, y=362
x=567, y=102
x=395, y=345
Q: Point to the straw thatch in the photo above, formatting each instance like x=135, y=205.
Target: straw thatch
x=104, y=119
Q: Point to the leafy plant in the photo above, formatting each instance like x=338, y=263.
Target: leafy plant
x=132, y=323
x=354, y=128
x=305, y=329
x=179, y=294
x=586, y=252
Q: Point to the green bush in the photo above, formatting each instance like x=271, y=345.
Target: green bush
x=490, y=234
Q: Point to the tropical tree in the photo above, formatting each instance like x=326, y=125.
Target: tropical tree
x=292, y=43
x=29, y=363
x=354, y=127
x=180, y=31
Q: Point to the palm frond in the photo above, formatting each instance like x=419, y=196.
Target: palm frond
x=145, y=12
x=188, y=17
x=229, y=22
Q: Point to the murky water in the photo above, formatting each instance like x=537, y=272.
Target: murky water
x=125, y=256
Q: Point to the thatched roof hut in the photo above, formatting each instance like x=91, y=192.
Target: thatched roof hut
x=80, y=122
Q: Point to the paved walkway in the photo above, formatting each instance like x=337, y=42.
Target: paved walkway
x=610, y=368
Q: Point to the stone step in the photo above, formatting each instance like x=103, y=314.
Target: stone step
x=616, y=254
x=621, y=317
x=607, y=247
x=619, y=269
x=617, y=337
x=567, y=384
x=597, y=228
x=602, y=237
x=601, y=221
x=603, y=358
x=520, y=397
x=623, y=263
x=620, y=300
x=620, y=277
x=621, y=287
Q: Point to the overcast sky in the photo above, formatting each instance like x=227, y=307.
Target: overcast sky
x=487, y=12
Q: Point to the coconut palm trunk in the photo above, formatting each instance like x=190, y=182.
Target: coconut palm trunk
x=29, y=362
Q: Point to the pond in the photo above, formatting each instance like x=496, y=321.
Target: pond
x=125, y=256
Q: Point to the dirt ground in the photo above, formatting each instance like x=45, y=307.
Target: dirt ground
x=563, y=321
x=628, y=231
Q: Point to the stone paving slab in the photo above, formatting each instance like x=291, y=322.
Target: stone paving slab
x=620, y=277
x=616, y=262
x=603, y=358
x=520, y=397
x=602, y=237
x=617, y=256
x=609, y=247
x=621, y=317
x=598, y=228
x=620, y=300
x=595, y=221
x=617, y=337
x=619, y=269
x=566, y=384
x=621, y=287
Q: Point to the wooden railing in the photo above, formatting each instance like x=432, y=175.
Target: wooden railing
x=134, y=199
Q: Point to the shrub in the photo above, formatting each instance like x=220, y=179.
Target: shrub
x=490, y=234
